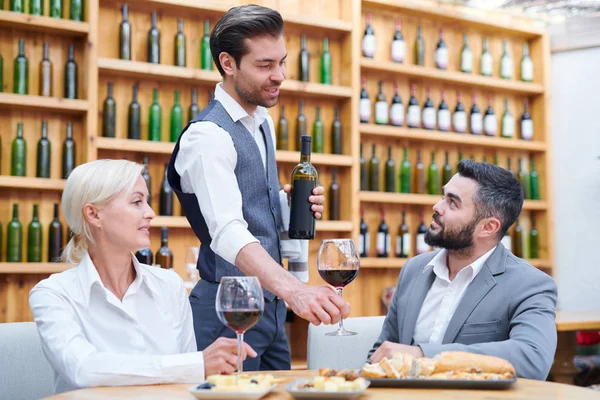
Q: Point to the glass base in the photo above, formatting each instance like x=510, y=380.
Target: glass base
x=341, y=332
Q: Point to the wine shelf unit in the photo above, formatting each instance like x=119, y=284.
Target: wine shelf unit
x=33, y=268
x=182, y=222
x=25, y=182
x=20, y=102
x=34, y=23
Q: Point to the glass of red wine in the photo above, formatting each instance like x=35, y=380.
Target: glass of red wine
x=239, y=305
x=338, y=265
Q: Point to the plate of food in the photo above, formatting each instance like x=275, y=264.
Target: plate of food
x=330, y=384
x=450, y=369
x=220, y=387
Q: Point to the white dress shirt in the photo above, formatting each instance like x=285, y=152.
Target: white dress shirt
x=91, y=338
x=443, y=297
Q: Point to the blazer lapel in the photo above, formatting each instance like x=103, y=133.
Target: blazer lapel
x=414, y=303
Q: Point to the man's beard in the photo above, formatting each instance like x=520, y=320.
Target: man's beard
x=252, y=96
x=460, y=240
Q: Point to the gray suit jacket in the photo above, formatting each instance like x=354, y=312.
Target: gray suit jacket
x=507, y=311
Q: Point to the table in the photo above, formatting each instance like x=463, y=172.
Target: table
x=524, y=389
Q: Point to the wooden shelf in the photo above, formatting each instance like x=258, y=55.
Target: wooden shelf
x=33, y=268
x=535, y=205
x=315, y=158
x=471, y=80
x=10, y=101
x=19, y=182
x=34, y=23
x=138, y=69
x=182, y=222
x=334, y=226
x=451, y=137
x=141, y=146
x=375, y=262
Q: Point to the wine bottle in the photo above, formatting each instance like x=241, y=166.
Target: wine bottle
x=300, y=125
x=390, y=173
x=193, y=110
x=164, y=255
x=134, y=116
x=487, y=61
x=447, y=171
x=14, y=238
x=336, y=133
x=365, y=103
x=413, y=115
x=1, y=222
x=176, y=118
x=326, y=63
x=421, y=182
x=55, y=237
x=506, y=63
x=109, y=114
x=374, y=170
x=56, y=8
x=17, y=6
x=71, y=75
x=422, y=247
x=282, y=139
x=46, y=73
x=496, y=160
x=460, y=157
x=145, y=256
x=166, y=196
x=526, y=123
x=466, y=56
x=369, y=42
x=403, y=239
x=18, y=164
x=68, y=153
x=21, y=71
x=383, y=242
x=303, y=61
x=526, y=65
x=523, y=177
x=381, y=107
x=1, y=77
x=304, y=180
x=506, y=241
x=42, y=169
x=397, y=108
x=364, y=171
x=398, y=45
x=476, y=119
x=419, y=48
x=534, y=180
x=34, y=238
x=179, y=56
x=429, y=121
x=459, y=119
x=508, y=165
x=206, y=61
x=334, y=197
x=155, y=119
x=363, y=237
x=154, y=42
x=518, y=241
x=76, y=10
x=125, y=35
x=443, y=117
x=508, y=122
x=534, y=241
x=441, y=52
x=405, y=173
x=147, y=179
x=433, y=177
x=317, y=133
x=489, y=120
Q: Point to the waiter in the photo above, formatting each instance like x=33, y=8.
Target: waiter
x=224, y=173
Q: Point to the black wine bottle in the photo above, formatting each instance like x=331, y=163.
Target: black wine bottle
x=164, y=255
x=109, y=114
x=71, y=75
x=304, y=180
x=145, y=256
x=166, y=196
x=364, y=171
x=363, y=238
x=334, y=197
x=147, y=179
x=374, y=171
x=134, y=117
x=68, y=155
x=42, y=169
x=154, y=42
x=34, y=238
x=55, y=237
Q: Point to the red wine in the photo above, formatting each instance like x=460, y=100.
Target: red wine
x=241, y=320
x=338, y=278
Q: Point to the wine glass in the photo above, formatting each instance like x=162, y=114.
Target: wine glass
x=191, y=259
x=239, y=305
x=338, y=265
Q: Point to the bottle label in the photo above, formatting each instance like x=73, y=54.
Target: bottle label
x=486, y=64
x=406, y=244
x=460, y=121
x=527, y=129
x=398, y=51
x=397, y=114
x=506, y=68
x=383, y=243
x=441, y=58
x=508, y=126
x=527, y=70
x=490, y=125
x=476, y=124
x=369, y=44
x=422, y=247
x=365, y=110
x=413, y=117
x=466, y=61
x=381, y=112
x=301, y=215
x=507, y=242
x=444, y=120
x=429, y=118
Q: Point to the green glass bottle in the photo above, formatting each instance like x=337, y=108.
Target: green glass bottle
x=405, y=173
x=180, y=59
x=534, y=241
x=155, y=119
x=374, y=170
x=419, y=48
x=193, y=110
x=109, y=114
x=421, y=181
x=17, y=6
x=71, y=75
x=134, y=116
x=154, y=42
x=68, y=153
x=76, y=10
x=447, y=171
x=46, y=73
x=334, y=197
x=364, y=171
x=18, y=164
x=55, y=237
x=42, y=169
x=523, y=177
x=517, y=243
x=21, y=71
x=14, y=238
x=487, y=61
x=176, y=118
x=534, y=180
x=326, y=63
x=390, y=173
x=506, y=63
x=36, y=7
x=303, y=61
x=206, y=60
x=147, y=179
x=317, y=133
x=336, y=133
x=125, y=35
x=300, y=124
x=433, y=181
x=283, y=134
x=466, y=56
x=56, y=8
x=34, y=238
x=508, y=122
x=526, y=65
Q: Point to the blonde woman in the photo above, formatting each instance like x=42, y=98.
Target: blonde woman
x=110, y=320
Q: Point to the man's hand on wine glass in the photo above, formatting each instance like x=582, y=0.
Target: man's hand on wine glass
x=319, y=304
x=317, y=199
x=221, y=356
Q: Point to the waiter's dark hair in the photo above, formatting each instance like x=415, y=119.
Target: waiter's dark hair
x=238, y=24
x=499, y=192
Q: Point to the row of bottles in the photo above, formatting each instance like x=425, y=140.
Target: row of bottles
x=14, y=238
x=442, y=119
x=523, y=244
x=18, y=161
x=442, y=53
x=429, y=181
x=164, y=255
x=21, y=73
x=56, y=10
x=304, y=62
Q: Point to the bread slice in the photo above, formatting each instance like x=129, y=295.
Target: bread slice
x=422, y=368
x=389, y=369
x=403, y=363
x=458, y=361
x=373, y=371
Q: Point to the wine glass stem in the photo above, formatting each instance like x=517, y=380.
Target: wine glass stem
x=240, y=340
x=341, y=328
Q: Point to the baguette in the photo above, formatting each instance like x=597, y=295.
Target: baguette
x=458, y=362
x=422, y=368
x=403, y=363
x=389, y=369
x=373, y=371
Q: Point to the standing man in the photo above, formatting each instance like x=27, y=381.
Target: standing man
x=224, y=173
